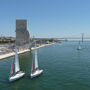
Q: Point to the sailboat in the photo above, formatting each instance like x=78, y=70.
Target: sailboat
x=79, y=47
x=15, y=69
x=35, y=71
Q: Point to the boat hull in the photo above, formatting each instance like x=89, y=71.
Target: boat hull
x=16, y=76
x=79, y=48
x=36, y=73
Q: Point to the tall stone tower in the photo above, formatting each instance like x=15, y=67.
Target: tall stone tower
x=22, y=35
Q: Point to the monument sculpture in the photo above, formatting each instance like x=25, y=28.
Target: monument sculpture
x=22, y=35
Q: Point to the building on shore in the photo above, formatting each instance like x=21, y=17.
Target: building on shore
x=22, y=35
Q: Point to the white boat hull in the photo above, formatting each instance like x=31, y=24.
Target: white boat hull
x=36, y=73
x=79, y=48
x=16, y=76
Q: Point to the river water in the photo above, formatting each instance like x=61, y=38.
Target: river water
x=65, y=68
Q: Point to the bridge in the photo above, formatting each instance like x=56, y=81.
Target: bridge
x=67, y=39
x=73, y=38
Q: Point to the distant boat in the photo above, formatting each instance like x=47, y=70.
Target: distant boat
x=79, y=47
x=35, y=71
x=15, y=71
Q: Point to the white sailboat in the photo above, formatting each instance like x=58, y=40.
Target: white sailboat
x=35, y=71
x=18, y=74
x=79, y=47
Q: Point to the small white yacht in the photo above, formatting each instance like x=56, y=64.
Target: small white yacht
x=36, y=71
x=79, y=47
x=18, y=74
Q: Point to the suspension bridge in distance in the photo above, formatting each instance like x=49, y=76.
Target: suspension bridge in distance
x=73, y=39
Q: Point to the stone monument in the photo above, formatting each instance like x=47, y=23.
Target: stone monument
x=22, y=35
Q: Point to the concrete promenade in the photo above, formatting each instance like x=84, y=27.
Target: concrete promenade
x=3, y=56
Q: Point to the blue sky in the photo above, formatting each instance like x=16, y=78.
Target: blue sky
x=46, y=18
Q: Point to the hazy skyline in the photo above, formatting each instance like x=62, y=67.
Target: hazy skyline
x=46, y=18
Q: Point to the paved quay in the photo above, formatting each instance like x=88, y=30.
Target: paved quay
x=10, y=54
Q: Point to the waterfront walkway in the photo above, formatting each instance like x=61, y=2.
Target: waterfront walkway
x=3, y=56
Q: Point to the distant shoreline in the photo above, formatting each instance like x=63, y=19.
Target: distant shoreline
x=2, y=57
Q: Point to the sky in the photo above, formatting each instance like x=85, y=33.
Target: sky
x=46, y=18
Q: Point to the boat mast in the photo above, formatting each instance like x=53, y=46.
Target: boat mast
x=32, y=67
x=17, y=68
x=36, y=61
x=11, y=71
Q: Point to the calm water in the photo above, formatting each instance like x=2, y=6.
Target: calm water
x=64, y=67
